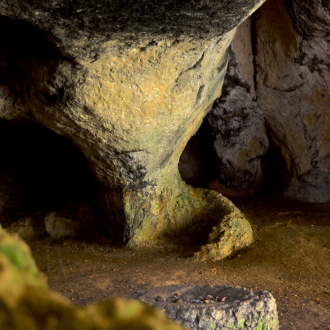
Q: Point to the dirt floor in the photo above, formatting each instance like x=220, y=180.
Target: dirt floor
x=290, y=258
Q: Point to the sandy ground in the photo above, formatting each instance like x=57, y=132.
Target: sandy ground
x=290, y=258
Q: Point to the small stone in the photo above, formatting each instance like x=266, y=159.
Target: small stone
x=223, y=299
x=160, y=299
x=179, y=294
x=180, y=301
x=207, y=301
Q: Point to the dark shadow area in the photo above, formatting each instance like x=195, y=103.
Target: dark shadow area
x=275, y=169
x=41, y=171
x=28, y=59
x=199, y=163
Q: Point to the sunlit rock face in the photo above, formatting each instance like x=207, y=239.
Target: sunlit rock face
x=129, y=82
x=271, y=124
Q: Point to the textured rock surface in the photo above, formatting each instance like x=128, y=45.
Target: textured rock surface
x=25, y=302
x=241, y=308
x=231, y=234
x=128, y=82
x=29, y=228
x=240, y=138
x=293, y=75
x=276, y=95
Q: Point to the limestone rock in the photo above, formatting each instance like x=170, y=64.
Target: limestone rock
x=238, y=123
x=293, y=79
x=129, y=82
x=272, y=121
x=59, y=227
x=29, y=228
x=241, y=308
x=231, y=234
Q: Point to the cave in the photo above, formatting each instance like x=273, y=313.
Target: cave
x=275, y=169
x=98, y=101
x=41, y=172
x=198, y=164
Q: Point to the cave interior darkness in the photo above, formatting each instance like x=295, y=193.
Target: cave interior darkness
x=41, y=171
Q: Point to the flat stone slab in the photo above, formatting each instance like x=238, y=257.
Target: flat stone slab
x=211, y=307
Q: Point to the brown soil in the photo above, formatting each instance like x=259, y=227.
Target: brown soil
x=290, y=258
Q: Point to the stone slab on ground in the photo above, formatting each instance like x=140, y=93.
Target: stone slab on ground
x=213, y=307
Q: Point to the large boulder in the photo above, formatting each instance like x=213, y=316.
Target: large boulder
x=240, y=137
x=129, y=82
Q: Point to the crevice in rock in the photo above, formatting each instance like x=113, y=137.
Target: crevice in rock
x=41, y=172
x=199, y=163
x=275, y=168
x=254, y=52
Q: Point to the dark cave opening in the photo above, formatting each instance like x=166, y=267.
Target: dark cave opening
x=199, y=163
x=275, y=169
x=41, y=171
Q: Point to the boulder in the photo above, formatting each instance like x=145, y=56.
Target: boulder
x=271, y=123
x=29, y=228
x=129, y=82
x=210, y=307
x=59, y=227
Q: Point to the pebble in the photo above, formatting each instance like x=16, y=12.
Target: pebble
x=160, y=299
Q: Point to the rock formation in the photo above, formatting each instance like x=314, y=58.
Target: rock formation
x=240, y=138
x=293, y=72
x=271, y=124
x=129, y=82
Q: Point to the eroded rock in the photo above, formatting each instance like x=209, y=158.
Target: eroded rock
x=214, y=307
x=292, y=63
x=128, y=82
x=240, y=137
x=271, y=124
x=29, y=228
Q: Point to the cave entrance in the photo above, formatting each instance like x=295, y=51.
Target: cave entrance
x=198, y=163
x=41, y=172
x=275, y=169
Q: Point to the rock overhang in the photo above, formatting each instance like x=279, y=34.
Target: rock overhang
x=69, y=23
x=132, y=82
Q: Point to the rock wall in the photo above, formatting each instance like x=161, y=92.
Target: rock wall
x=240, y=138
x=271, y=124
x=293, y=75
x=129, y=82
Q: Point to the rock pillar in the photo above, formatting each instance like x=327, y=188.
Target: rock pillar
x=129, y=82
